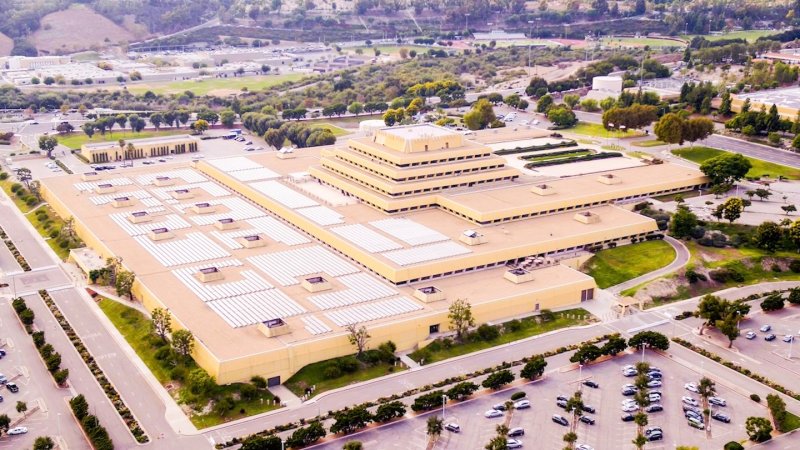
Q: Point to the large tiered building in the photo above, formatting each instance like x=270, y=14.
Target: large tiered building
x=268, y=258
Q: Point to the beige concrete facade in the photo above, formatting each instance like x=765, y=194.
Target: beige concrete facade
x=233, y=351
x=110, y=151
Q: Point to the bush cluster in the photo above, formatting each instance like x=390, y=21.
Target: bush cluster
x=98, y=435
x=536, y=148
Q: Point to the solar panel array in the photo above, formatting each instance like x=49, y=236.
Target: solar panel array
x=366, y=238
x=409, y=231
x=213, y=189
x=321, y=215
x=169, y=221
x=431, y=252
x=238, y=209
x=373, y=311
x=255, y=308
x=108, y=198
x=268, y=226
x=187, y=175
x=252, y=282
x=90, y=186
x=314, y=325
x=194, y=248
x=361, y=287
x=234, y=164
x=261, y=173
x=283, y=194
x=287, y=265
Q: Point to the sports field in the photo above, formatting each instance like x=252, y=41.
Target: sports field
x=216, y=86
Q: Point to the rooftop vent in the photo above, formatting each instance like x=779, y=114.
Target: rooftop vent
x=429, y=294
x=587, y=217
x=163, y=181
x=543, y=189
x=518, y=276
x=274, y=327
x=252, y=241
x=472, y=237
x=316, y=284
x=208, y=274
x=609, y=178
x=158, y=234
x=139, y=217
x=90, y=176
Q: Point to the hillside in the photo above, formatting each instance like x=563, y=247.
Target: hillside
x=58, y=31
x=6, y=44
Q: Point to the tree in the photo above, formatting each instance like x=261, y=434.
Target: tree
x=5, y=422
x=200, y=126
x=352, y=445
x=706, y=388
x=183, y=342
x=615, y=344
x=79, y=406
x=460, y=316
x=733, y=445
x=758, y=429
x=124, y=283
x=162, y=323
x=498, y=379
x=586, y=353
x=227, y=117
x=607, y=103
x=726, y=169
x=725, y=104
x=350, y=420
x=480, y=116
x=572, y=99
x=788, y=209
x=652, y=339
x=767, y=236
x=275, y=137
x=534, y=368
x=22, y=407
x=498, y=442
x=156, y=119
x=355, y=108
x=389, y=411
x=729, y=326
x=88, y=128
x=731, y=209
x=200, y=382
x=773, y=302
x=461, y=390
x=697, y=129
x=303, y=437
x=261, y=443
x=47, y=144
x=669, y=129
x=683, y=222
x=359, y=336
x=544, y=103
x=43, y=443
x=562, y=116
x=715, y=309
x=434, y=427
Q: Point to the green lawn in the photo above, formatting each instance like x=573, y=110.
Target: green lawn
x=76, y=139
x=314, y=375
x=790, y=422
x=52, y=223
x=529, y=326
x=597, y=130
x=615, y=265
x=136, y=328
x=6, y=185
x=651, y=143
x=548, y=157
x=749, y=35
x=760, y=168
x=641, y=42
x=209, y=85
x=337, y=131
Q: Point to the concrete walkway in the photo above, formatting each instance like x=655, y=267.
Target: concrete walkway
x=682, y=256
x=286, y=396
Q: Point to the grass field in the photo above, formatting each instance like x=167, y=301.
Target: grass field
x=314, y=375
x=646, y=144
x=597, y=130
x=136, y=328
x=790, y=422
x=749, y=35
x=76, y=139
x=529, y=326
x=337, y=131
x=760, y=168
x=640, y=42
x=616, y=265
x=215, y=86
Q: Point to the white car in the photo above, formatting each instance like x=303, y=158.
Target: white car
x=492, y=413
x=17, y=430
x=717, y=401
x=654, y=383
x=630, y=408
x=584, y=447
x=522, y=404
x=691, y=387
x=750, y=335
x=690, y=401
x=513, y=443
x=629, y=372
x=628, y=401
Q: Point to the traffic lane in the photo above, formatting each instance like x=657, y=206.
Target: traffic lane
x=21, y=236
x=36, y=387
x=401, y=382
x=754, y=150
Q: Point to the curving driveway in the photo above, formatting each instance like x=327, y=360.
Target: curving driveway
x=682, y=256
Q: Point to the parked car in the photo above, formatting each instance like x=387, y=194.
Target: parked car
x=654, y=375
x=765, y=328
x=584, y=447
x=750, y=335
x=12, y=387
x=692, y=409
x=654, y=383
x=513, y=443
x=492, y=413
x=587, y=420
x=499, y=406
x=629, y=372
x=717, y=401
x=17, y=430
x=689, y=401
x=522, y=404
x=654, y=408
x=722, y=417
x=514, y=432
x=769, y=337
x=631, y=407
x=1, y=399
x=657, y=436
x=591, y=384
x=3, y=379
x=628, y=391
x=628, y=401
x=589, y=409
x=691, y=387
x=653, y=398
x=562, y=397
x=650, y=430
x=453, y=427
x=695, y=424
x=697, y=420
x=627, y=418
x=561, y=403
x=561, y=420
x=788, y=338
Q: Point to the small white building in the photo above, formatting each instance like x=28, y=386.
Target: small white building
x=610, y=84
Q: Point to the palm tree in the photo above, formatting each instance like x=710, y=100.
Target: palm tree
x=575, y=406
x=570, y=438
x=706, y=388
x=435, y=428
x=509, y=412
x=639, y=441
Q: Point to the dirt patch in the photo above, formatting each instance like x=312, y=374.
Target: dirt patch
x=59, y=33
x=661, y=288
x=767, y=263
x=6, y=45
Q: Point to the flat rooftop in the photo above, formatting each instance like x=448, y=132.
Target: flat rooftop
x=418, y=131
x=150, y=140
x=265, y=282
x=786, y=97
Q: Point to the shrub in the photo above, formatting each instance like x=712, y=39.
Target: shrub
x=498, y=379
x=755, y=397
x=733, y=445
x=38, y=339
x=63, y=244
x=178, y=373
x=60, y=376
x=488, y=333
x=776, y=268
x=794, y=265
x=348, y=364
x=79, y=406
x=518, y=395
x=331, y=371
x=53, y=234
x=512, y=325
x=163, y=353
x=773, y=302
x=19, y=305
x=27, y=317
x=794, y=296
x=259, y=382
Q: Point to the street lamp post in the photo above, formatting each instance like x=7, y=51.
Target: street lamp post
x=644, y=346
x=466, y=24
x=444, y=402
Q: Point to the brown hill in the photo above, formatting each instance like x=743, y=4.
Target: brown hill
x=6, y=44
x=78, y=28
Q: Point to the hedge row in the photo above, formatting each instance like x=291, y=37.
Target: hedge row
x=97, y=434
x=63, y=166
x=733, y=366
x=13, y=249
x=415, y=391
x=537, y=148
x=554, y=162
x=109, y=390
x=50, y=357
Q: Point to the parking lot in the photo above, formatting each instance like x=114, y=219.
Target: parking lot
x=609, y=432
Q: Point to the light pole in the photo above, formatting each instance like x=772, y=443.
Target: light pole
x=530, y=44
x=444, y=402
x=644, y=346
x=466, y=24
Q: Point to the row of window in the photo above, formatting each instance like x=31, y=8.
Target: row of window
x=420, y=177
x=423, y=163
